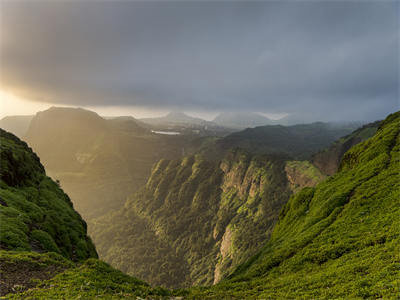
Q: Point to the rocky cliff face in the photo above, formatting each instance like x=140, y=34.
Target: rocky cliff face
x=211, y=216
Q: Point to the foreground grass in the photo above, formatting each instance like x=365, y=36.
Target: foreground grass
x=90, y=279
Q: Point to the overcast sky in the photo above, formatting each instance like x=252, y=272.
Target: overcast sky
x=326, y=60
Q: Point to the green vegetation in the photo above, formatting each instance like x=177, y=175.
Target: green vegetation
x=337, y=240
x=297, y=141
x=91, y=279
x=21, y=270
x=196, y=219
x=301, y=174
x=328, y=160
x=35, y=214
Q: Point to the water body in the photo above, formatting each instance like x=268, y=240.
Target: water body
x=166, y=132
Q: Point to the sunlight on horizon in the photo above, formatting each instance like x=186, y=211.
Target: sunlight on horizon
x=13, y=105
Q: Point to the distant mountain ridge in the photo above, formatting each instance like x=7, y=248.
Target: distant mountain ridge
x=98, y=161
x=175, y=117
x=241, y=120
x=17, y=125
x=298, y=141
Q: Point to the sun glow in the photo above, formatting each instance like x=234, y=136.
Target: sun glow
x=11, y=104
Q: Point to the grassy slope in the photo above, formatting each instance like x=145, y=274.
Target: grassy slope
x=90, y=279
x=338, y=240
x=35, y=214
x=328, y=160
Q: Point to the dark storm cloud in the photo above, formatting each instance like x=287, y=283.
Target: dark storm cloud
x=330, y=60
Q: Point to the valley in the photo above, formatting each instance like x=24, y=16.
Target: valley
x=252, y=225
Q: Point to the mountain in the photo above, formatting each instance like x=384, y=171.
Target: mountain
x=241, y=120
x=337, y=240
x=328, y=160
x=100, y=162
x=17, y=125
x=298, y=141
x=175, y=118
x=196, y=219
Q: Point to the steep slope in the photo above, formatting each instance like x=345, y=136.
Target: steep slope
x=328, y=160
x=17, y=125
x=337, y=240
x=241, y=120
x=98, y=162
x=195, y=220
x=298, y=141
x=35, y=213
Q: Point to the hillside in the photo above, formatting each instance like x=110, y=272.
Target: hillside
x=297, y=141
x=35, y=213
x=17, y=125
x=337, y=240
x=196, y=220
x=328, y=160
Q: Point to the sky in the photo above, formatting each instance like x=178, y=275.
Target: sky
x=320, y=60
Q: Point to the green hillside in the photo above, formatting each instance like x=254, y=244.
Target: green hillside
x=328, y=160
x=196, y=220
x=337, y=240
x=35, y=213
x=298, y=141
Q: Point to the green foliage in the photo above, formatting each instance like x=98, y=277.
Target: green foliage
x=328, y=160
x=45, y=241
x=337, y=240
x=54, y=277
x=298, y=141
x=35, y=214
x=171, y=232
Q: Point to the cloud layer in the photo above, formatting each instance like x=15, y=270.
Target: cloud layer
x=326, y=60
